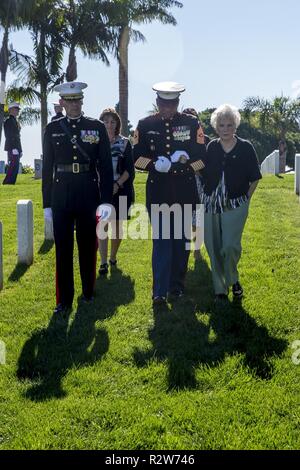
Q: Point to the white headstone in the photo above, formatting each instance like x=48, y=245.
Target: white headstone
x=2, y=353
x=49, y=230
x=2, y=167
x=20, y=168
x=1, y=257
x=25, y=231
x=271, y=164
x=297, y=173
x=38, y=168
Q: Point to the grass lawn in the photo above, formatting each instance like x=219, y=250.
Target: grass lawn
x=119, y=375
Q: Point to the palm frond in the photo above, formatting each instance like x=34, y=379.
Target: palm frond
x=29, y=116
x=137, y=36
x=26, y=95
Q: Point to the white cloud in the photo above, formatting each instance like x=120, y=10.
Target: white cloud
x=296, y=88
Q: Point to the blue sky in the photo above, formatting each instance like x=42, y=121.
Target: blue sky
x=222, y=51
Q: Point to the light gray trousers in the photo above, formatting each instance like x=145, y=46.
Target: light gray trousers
x=222, y=237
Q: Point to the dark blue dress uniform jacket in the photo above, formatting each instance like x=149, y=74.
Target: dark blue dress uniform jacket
x=12, y=135
x=156, y=136
x=76, y=191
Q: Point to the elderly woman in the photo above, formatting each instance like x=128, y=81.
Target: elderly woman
x=230, y=178
x=123, y=168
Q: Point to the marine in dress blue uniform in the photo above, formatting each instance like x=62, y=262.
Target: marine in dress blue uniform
x=170, y=146
x=12, y=143
x=58, y=112
x=72, y=190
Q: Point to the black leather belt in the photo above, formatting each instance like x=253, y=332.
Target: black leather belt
x=73, y=168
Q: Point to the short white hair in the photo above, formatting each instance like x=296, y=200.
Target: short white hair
x=225, y=111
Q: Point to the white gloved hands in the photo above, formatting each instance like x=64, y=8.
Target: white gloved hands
x=103, y=212
x=175, y=157
x=15, y=151
x=48, y=214
x=162, y=164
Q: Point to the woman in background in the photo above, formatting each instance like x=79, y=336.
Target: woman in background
x=123, y=167
x=197, y=219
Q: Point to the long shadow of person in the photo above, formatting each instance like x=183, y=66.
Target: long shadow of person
x=194, y=332
x=49, y=353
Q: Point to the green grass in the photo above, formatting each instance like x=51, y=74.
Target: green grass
x=122, y=376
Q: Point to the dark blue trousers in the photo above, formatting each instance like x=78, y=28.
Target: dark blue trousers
x=13, y=169
x=170, y=253
x=63, y=225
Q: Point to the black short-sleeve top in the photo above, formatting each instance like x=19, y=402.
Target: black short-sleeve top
x=240, y=167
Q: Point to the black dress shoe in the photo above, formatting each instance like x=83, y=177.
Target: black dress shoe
x=88, y=300
x=103, y=270
x=62, y=309
x=237, y=290
x=159, y=300
x=176, y=294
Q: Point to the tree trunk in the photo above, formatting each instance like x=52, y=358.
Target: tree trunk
x=3, y=70
x=44, y=109
x=71, y=72
x=282, y=154
x=123, y=77
x=43, y=84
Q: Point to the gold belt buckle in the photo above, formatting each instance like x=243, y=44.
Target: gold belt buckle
x=75, y=167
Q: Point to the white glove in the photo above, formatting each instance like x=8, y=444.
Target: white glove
x=48, y=214
x=103, y=212
x=177, y=154
x=162, y=165
x=15, y=151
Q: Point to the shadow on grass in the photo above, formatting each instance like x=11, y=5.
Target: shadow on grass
x=184, y=340
x=50, y=353
x=18, y=272
x=46, y=246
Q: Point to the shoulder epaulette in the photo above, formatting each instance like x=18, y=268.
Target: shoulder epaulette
x=151, y=118
x=90, y=118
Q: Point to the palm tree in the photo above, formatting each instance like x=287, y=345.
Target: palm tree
x=277, y=117
x=12, y=15
x=123, y=14
x=84, y=25
x=37, y=75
